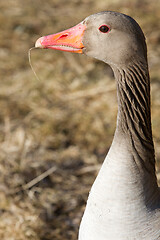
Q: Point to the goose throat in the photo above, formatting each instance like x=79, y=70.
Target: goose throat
x=134, y=117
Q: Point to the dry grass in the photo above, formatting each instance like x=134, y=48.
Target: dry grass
x=64, y=122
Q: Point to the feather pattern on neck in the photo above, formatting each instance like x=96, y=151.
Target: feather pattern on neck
x=134, y=118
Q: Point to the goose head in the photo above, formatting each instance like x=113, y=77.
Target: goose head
x=112, y=37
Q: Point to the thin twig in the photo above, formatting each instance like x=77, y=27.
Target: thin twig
x=30, y=63
x=87, y=169
x=35, y=180
x=89, y=93
x=39, y=178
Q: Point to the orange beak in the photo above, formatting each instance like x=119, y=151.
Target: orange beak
x=69, y=40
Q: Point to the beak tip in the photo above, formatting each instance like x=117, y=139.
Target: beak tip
x=38, y=43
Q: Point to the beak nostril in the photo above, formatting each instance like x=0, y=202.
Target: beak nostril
x=63, y=35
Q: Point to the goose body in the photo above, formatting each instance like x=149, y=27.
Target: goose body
x=124, y=201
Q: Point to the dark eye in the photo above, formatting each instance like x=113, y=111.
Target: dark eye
x=104, y=28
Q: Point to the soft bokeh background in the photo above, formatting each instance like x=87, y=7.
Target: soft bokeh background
x=57, y=131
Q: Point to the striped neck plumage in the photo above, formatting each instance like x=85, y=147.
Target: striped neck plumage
x=134, y=115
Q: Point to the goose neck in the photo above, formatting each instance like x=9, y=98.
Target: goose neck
x=134, y=117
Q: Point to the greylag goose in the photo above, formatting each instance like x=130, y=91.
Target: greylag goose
x=124, y=201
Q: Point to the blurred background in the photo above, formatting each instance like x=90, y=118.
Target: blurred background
x=56, y=131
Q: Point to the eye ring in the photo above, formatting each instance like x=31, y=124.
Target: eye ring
x=104, y=29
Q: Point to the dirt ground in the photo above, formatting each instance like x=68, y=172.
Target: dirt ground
x=56, y=131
